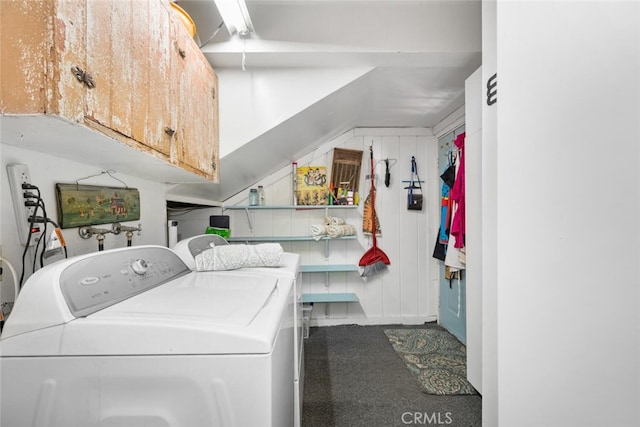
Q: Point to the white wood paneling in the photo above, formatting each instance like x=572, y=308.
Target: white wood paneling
x=404, y=292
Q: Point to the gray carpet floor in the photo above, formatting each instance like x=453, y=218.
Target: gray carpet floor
x=353, y=377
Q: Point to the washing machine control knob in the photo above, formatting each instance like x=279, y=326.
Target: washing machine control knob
x=139, y=266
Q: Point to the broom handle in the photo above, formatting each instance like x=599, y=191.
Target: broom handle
x=373, y=201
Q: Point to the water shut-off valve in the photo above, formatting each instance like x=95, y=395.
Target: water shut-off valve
x=117, y=228
x=88, y=232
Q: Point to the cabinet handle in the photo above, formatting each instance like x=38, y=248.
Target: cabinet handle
x=169, y=131
x=213, y=92
x=83, y=77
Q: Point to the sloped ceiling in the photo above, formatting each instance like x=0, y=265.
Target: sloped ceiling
x=314, y=69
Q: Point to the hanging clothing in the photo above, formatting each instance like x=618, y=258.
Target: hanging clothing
x=445, y=215
x=446, y=208
x=442, y=240
x=458, y=196
x=452, y=257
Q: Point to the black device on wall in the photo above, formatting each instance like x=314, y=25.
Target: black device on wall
x=219, y=221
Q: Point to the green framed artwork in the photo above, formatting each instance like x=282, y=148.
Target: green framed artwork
x=82, y=205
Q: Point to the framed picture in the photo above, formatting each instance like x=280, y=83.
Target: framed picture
x=83, y=205
x=345, y=169
x=312, y=186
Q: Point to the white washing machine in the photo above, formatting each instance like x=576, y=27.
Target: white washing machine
x=133, y=337
x=190, y=247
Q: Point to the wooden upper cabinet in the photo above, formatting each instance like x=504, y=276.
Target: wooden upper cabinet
x=127, y=69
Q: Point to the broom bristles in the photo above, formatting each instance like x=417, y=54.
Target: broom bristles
x=373, y=269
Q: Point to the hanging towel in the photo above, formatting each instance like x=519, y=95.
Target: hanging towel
x=231, y=257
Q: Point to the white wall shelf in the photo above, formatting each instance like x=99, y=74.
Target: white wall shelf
x=323, y=297
x=298, y=207
x=248, y=208
x=286, y=238
x=329, y=297
x=328, y=268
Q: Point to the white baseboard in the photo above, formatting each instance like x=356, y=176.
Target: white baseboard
x=364, y=321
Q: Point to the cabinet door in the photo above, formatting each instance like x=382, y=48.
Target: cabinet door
x=160, y=104
x=40, y=45
x=197, y=137
x=127, y=52
x=99, y=61
x=66, y=88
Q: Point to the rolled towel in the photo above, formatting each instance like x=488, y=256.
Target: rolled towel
x=336, y=221
x=334, y=231
x=333, y=220
x=231, y=257
x=318, y=231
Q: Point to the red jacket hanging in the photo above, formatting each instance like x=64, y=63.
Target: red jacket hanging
x=457, y=195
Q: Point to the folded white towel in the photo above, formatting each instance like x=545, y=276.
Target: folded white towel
x=231, y=257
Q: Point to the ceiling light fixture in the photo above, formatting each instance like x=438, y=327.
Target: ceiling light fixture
x=235, y=16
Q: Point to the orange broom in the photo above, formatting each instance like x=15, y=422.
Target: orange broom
x=374, y=259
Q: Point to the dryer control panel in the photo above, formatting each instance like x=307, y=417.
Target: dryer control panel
x=189, y=248
x=99, y=281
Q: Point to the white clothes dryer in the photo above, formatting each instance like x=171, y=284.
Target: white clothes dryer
x=133, y=337
x=190, y=247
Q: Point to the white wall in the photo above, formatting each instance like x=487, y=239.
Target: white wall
x=407, y=291
x=568, y=204
x=473, y=238
x=261, y=99
x=489, y=189
x=45, y=172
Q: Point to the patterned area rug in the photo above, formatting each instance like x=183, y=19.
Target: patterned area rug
x=435, y=358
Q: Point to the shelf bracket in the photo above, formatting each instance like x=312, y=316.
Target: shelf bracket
x=326, y=288
x=246, y=211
